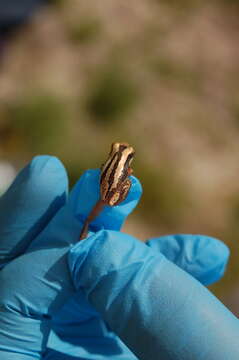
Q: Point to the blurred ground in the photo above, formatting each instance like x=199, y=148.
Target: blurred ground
x=162, y=76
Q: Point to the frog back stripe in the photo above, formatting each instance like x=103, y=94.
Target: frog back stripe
x=119, y=171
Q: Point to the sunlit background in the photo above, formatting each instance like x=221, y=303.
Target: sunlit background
x=161, y=75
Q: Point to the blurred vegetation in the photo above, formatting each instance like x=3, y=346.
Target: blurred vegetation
x=176, y=74
x=111, y=96
x=235, y=112
x=231, y=237
x=57, y=3
x=166, y=197
x=234, y=212
x=76, y=167
x=230, y=3
x=39, y=120
x=181, y=5
x=85, y=31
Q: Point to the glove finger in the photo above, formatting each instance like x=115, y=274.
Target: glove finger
x=156, y=308
x=112, y=217
x=34, y=197
x=204, y=257
x=42, y=276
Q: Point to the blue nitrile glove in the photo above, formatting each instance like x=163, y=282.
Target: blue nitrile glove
x=38, y=225
x=157, y=309
x=36, y=282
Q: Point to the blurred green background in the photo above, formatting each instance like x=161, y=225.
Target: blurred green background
x=163, y=76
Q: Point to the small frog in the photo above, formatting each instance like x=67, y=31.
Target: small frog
x=114, y=181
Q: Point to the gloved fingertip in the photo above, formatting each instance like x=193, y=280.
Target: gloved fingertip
x=86, y=193
x=40, y=161
x=215, y=260
x=204, y=257
x=47, y=166
x=43, y=171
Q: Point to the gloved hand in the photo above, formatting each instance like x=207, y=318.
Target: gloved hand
x=38, y=225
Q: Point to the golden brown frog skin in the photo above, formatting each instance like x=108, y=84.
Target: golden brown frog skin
x=114, y=181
